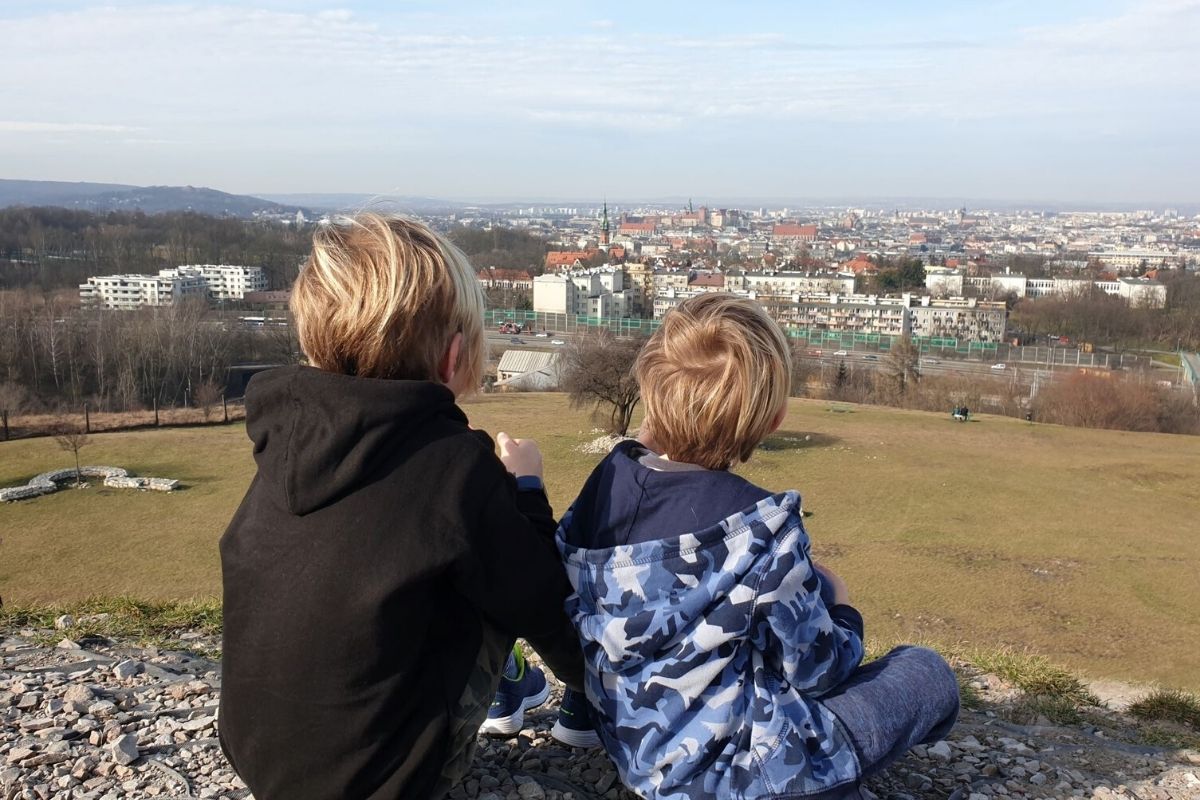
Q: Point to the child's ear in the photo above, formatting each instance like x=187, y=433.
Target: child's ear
x=448, y=365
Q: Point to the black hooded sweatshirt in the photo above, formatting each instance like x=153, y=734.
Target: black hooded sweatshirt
x=378, y=537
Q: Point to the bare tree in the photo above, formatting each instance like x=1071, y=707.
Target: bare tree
x=70, y=436
x=902, y=364
x=597, y=372
x=207, y=395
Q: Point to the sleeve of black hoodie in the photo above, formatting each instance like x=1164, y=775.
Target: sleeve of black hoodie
x=516, y=575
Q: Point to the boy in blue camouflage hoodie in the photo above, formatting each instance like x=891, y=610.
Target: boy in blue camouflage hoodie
x=721, y=660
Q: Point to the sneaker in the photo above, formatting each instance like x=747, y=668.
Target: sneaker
x=522, y=687
x=575, y=725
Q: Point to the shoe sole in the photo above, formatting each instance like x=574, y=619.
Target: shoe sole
x=507, y=726
x=574, y=738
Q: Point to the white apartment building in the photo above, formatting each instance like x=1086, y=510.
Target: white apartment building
x=133, y=291
x=791, y=282
x=1134, y=258
x=170, y=286
x=962, y=318
x=1135, y=291
x=596, y=292
x=225, y=281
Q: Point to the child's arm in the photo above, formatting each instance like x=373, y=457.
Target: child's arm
x=818, y=646
x=515, y=575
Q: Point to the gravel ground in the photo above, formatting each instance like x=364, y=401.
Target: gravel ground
x=97, y=718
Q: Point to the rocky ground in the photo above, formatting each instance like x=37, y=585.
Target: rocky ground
x=97, y=718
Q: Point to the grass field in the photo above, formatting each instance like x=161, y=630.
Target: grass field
x=1081, y=545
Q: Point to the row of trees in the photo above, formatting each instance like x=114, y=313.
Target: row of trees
x=1094, y=316
x=50, y=248
x=53, y=353
x=501, y=247
x=597, y=373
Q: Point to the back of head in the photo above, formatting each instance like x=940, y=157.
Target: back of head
x=713, y=380
x=382, y=297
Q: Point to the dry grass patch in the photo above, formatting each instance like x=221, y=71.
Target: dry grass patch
x=1076, y=544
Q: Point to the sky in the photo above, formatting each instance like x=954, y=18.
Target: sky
x=1012, y=100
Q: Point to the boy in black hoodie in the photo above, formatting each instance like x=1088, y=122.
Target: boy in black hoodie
x=384, y=559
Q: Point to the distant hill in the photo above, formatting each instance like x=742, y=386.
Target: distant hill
x=347, y=201
x=101, y=197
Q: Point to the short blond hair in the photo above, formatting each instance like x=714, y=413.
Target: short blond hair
x=382, y=297
x=713, y=379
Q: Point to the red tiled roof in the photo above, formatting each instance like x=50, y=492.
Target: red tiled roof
x=708, y=280
x=791, y=229
x=859, y=265
x=565, y=258
x=637, y=227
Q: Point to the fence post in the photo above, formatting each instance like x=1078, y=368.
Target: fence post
x=156, y=412
x=4, y=416
x=87, y=419
x=225, y=408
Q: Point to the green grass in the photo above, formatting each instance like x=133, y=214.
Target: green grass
x=1035, y=675
x=1170, y=359
x=1075, y=544
x=1170, y=705
x=149, y=623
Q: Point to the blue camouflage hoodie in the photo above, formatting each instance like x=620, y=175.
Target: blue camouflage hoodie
x=706, y=649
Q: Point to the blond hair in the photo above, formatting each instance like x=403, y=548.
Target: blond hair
x=382, y=297
x=713, y=380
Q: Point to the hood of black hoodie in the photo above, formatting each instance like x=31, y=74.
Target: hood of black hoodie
x=320, y=435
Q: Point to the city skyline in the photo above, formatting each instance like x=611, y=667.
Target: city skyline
x=1017, y=102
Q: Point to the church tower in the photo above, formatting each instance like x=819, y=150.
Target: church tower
x=604, y=226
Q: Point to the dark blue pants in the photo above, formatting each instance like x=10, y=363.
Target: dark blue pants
x=908, y=697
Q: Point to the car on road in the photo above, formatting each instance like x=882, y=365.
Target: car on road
x=557, y=341
x=515, y=340
x=870, y=358
x=999, y=366
x=840, y=353
x=929, y=361
x=542, y=335
x=815, y=352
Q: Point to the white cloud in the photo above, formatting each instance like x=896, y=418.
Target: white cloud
x=273, y=86
x=26, y=126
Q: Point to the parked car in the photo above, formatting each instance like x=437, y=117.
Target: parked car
x=840, y=353
x=998, y=366
x=557, y=341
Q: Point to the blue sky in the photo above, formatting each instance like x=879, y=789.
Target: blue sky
x=1095, y=101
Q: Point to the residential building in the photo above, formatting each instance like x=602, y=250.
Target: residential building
x=125, y=292
x=788, y=231
x=792, y=282
x=598, y=292
x=224, y=281
x=963, y=318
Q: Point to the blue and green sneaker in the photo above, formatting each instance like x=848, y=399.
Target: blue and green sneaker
x=522, y=687
x=576, y=724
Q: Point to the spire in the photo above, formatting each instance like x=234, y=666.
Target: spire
x=604, y=224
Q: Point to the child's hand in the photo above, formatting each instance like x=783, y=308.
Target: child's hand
x=841, y=594
x=520, y=456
